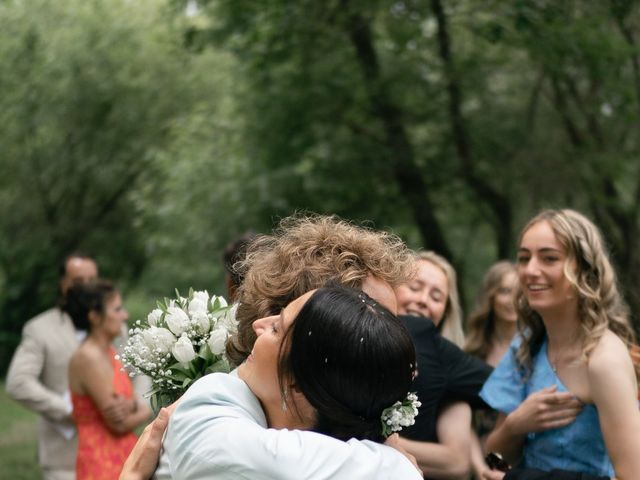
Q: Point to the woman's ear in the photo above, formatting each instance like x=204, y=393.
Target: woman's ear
x=304, y=412
x=94, y=318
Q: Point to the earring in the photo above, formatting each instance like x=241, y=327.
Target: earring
x=284, y=401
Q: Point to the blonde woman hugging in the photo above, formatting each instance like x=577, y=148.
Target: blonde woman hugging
x=567, y=389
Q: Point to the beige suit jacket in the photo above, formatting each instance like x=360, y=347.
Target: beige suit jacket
x=37, y=378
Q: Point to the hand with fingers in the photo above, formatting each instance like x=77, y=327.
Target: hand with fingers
x=144, y=457
x=393, y=441
x=544, y=410
x=492, y=475
x=118, y=409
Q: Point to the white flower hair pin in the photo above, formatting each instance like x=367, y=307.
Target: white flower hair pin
x=400, y=414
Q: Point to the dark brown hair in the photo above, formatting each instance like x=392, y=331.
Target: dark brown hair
x=351, y=358
x=86, y=297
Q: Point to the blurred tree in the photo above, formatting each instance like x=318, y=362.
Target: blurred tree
x=90, y=92
x=588, y=63
x=451, y=122
x=152, y=137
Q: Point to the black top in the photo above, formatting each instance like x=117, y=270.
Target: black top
x=446, y=374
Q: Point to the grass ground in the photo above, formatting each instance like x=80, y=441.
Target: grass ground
x=18, y=449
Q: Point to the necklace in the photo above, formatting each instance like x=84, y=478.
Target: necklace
x=555, y=363
x=569, y=359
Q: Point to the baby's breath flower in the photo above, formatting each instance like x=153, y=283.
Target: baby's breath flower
x=176, y=335
x=400, y=414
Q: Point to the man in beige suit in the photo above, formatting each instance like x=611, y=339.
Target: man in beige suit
x=37, y=376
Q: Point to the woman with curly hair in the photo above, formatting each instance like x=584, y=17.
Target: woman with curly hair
x=567, y=388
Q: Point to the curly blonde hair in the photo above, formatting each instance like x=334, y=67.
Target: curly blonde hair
x=600, y=304
x=482, y=323
x=451, y=324
x=303, y=253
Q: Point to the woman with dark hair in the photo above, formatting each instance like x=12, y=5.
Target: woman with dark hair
x=351, y=358
x=333, y=362
x=567, y=389
x=105, y=436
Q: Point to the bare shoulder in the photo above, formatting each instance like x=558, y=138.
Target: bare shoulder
x=610, y=352
x=610, y=364
x=86, y=357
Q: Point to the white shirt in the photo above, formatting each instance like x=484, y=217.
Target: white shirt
x=219, y=431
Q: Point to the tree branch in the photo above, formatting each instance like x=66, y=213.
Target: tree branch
x=619, y=14
x=498, y=204
x=400, y=151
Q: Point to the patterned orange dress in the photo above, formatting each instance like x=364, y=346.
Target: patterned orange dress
x=101, y=453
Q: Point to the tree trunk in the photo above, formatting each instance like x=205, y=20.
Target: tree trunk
x=399, y=149
x=499, y=204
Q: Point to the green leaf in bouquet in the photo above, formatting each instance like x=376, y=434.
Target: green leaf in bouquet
x=193, y=370
x=155, y=403
x=178, y=376
x=151, y=393
x=221, y=365
x=206, y=354
x=178, y=367
x=182, y=302
x=162, y=306
x=190, y=293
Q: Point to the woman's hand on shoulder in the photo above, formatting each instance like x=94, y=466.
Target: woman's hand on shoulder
x=544, y=410
x=144, y=457
x=393, y=441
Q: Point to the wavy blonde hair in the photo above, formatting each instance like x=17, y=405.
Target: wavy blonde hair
x=600, y=304
x=451, y=324
x=303, y=253
x=482, y=322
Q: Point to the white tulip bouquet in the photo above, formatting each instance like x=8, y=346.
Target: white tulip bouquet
x=180, y=341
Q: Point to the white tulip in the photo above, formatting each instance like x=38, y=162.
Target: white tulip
x=228, y=320
x=201, y=319
x=177, y=320
x=158, y=338
x=197, y=306
x=183, y=350
x=202, y=295
x=217, y=340
x=154, y=317
x=222, y=302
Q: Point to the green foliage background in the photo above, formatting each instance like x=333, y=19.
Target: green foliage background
x=153, y=132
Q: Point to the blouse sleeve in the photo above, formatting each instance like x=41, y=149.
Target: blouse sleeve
x=505, y=388
x=216, y=431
